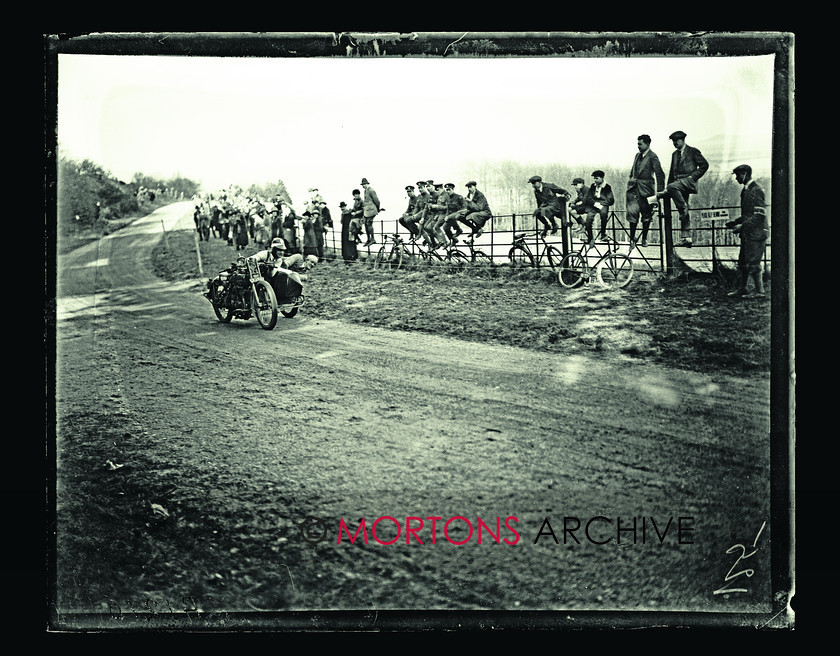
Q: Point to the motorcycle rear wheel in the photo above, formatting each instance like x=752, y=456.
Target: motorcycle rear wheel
x=265, y=305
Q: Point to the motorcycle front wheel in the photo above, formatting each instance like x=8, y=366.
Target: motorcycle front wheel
x=265, y=305
x=223, y=314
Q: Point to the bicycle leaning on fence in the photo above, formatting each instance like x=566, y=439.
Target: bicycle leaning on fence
x=612, y=269
x=521, y=255
x=476, y=257
x=392, y=256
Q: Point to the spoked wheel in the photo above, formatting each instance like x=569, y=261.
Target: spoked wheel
x=572, y=268
x=481, y=260
x=554, y=257
x=520, y=258
x=223, y=314
x=380, y=259
x=456, y=261
x=289, y=310
x=615, y=270
x=395, y=258
x=265, y=305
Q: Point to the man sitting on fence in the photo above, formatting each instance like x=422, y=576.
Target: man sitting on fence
x=551, y=203
x=478, y=210
x=599, y=199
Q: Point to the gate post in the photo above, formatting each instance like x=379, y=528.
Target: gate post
x=668, y=236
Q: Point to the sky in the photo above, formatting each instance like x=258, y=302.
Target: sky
x=328, y=122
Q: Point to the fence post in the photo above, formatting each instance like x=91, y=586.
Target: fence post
x=668, y=237
x=198, y=253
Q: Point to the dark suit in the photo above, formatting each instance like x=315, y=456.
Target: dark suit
x=605, y=198
x=549, y=205
x=687, y=167
x=646, y=176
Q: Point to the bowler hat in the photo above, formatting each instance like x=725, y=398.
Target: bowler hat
x=679, y=134
x=342, y=204
x=364, y=181
x=535, y=178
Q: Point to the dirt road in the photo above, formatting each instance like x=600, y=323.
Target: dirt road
x=242, y=434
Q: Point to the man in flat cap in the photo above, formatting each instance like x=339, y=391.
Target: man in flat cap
x=646, y=177
x=599, y=199
x=407, y=220
x=371, y=205
x=357, y=214
x=752, y=228
x=577, y=208
x=478, y=210
x=687, y=166
x=551, y=203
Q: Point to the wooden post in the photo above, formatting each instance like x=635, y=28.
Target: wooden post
x=668, y=235
x=198, y=253
x=165, y=235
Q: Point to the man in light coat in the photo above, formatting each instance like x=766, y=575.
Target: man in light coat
x=371, y=209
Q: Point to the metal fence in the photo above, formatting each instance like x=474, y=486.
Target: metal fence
x=714, y=245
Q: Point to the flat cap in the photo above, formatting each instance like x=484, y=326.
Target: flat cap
x=471, y=183
x=578, y=181
x=679, y=134
x=535, y=178
x=598, y=174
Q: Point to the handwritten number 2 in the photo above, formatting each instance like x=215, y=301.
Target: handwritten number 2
x=730, y=576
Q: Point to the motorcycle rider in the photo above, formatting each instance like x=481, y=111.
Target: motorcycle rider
x=279, y=264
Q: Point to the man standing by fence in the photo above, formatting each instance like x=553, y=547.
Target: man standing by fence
x=687, y=166
x=646, y=176
x=371, y=209
x=752, y=228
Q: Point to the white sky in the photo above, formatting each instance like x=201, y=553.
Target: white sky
x=328, y=122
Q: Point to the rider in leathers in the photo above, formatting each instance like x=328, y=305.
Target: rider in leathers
x=274, y=257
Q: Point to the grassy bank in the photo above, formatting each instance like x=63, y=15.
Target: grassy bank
x=686, y=322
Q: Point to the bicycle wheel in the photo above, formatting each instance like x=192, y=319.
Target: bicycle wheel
x=395, y=258
x=456, y=262
x=380, y=258
x=615, y=270
x=520, y=257
x=572, y=268
x=481, y=260
x=555, y=257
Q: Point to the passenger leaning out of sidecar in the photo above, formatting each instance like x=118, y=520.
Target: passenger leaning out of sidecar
x=279, y=266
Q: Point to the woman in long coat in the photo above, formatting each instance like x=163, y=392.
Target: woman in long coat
x=349, y=251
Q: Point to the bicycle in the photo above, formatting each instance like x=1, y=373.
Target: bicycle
x=393, y=256
x=476, y=257
x=521, y=255
x=612, y=269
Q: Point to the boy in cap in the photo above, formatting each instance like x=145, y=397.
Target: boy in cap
x=752, y=228
x=687, y=166
x=577, y=210
x=549, y=205
x=357, y=212
x=599, y=199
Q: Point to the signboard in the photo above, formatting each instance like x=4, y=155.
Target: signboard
x=715, y=215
